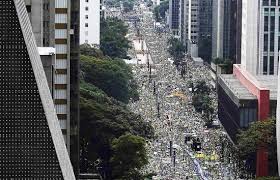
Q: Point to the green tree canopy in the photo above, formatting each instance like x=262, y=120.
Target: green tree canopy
x=177, y=50
x=87, y=50
x=159, y=11
x=129, y=156
x=225, y=64
x=103, y=119
x=113, y=41
x=114, y=77
x=259, y=133
x=201, y=87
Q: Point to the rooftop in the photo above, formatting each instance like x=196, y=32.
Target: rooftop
x=241, y=92
x=234, y=85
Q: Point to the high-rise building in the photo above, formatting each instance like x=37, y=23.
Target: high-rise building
x=32, y=145
x=193, y=27
x=90, y=22
x=56, y=24
x=189, y=24
x=205, y=29
x=183, y=21
x=224, y=29
x=260, y=40
x=238, y=16
x=205, y=18
x=174, y=6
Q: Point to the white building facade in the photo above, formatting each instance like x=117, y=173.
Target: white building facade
x=217, y=28
x=260, y=36
x=90, y=22
x=189, y=24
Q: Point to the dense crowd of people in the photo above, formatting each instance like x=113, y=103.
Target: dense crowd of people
x=166, y=102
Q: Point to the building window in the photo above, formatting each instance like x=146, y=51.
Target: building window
x=279, y=23
x=273, y=2
x=86, y=0
x=265, y=43
x=86, y=16
x=265, y=23
x=86, y=33
x=86, y=8
x=271, y=65
x=278, y=43
x=86, y=24
x=265, y=2
x=265, y=65
x=271, y=42
x=28, y=8
x=272, y=12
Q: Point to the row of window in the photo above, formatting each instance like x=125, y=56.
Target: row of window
x=86, y=24
x=271, y=3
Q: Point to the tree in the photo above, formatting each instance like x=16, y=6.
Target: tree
x=129, y=156
x=113, y=41
x=114, y=77
x=258, y=134
x=202, y=102
x=177, y=50
x=103, y=119
x=201, y=87
x=225, y=64
x=159, y=11
x=87, y=50
x=156, y=13
x=128, y=5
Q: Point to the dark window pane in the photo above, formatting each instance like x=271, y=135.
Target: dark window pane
x=271, y=65
x=272, y=24
x=266, y=23
x=272, y=42
x=265, y=43
x=265, y=65
x=265, y=2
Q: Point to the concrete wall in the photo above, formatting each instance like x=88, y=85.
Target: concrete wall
x=36, y=18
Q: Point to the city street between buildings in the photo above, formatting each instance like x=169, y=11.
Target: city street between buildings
x=166, y=102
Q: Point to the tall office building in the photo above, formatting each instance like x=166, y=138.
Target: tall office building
x=238, y=16
x=224, y=29
x=193, y=27
x=189, y=24
x=183, y=21
x=174, y=6
x=260, y=39
x=56, y=24
x=90, y=22
x=32, y=144
x=205, y=18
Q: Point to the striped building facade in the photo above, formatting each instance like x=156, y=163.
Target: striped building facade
x=55, y=24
